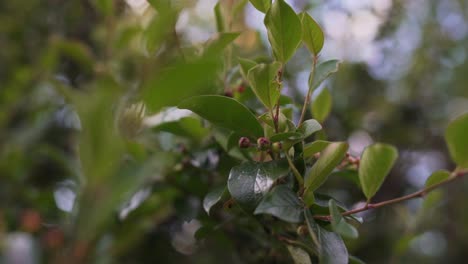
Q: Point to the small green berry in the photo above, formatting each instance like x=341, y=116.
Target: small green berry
x=277, y=147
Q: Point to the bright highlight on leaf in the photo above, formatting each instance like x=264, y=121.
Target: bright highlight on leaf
x=284, y=30
x=456, y=136
x=376, y=162
x=234, y=115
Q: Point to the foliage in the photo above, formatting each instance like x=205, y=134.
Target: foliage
x=100, y=124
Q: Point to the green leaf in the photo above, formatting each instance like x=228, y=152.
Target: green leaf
x=322, y=105
x=376, y=162
x=299, y=255
x=457, y=140
x=329, y=159
x=351, y=175
x=284, y=30
x=314, y=147
x=322, y=72
x=249, y=181
x=262, y=78
x=213, y=197
x=283, y=203
x=309, y=199
x=190, y=127
x=245, y=66
x=220, y=42
x=437, y=177
x=330, y=247
x=286, y=136
x=219, y=17
x=234, y=115
x=309, y=127
x=312, y=34
x=355, y=260
x=339, y=224
x=261, y=5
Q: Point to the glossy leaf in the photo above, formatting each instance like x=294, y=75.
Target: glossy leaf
x=308, y=127
x=456, y=137
x=322, y=72
x=262, y=78
x=249, y=181
x=339, y=224
x=261, y=5
x=233, y=116
x=376, y=162
x=314, y=147
x=283, y=203
x=329, y=159
x=299, y=255
x=437, y=177
x=212, y=198
x=312, y=34
x=321, y=105
x=284, y=30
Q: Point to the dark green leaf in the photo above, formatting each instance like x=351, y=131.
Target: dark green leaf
x=312, y=34
x=299, y=255
x=314, y=147
x=437, y=177
x=376, y=162
x=262, y=78
x=283, y=203
x=249, y=181
x=457, y=140
x=351, y=175
x=212, y=198
x=329, y=159
x=309, y=127
x=286, y=136
x=339, y=224
x=322, y=105
x=322, y=72
x=234, y=115
x=261, y=5
x=284, y=30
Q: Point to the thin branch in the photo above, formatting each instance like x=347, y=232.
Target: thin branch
x=421, y=193
x=309, y=92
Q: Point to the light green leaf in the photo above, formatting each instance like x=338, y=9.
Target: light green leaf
x=321, y=105
x=219, y=17
x=322, y=72
x=437, y=177
x=329, y=159
x=213, y=198
x=233, y=116
x=284, y=30
x=312, y=34
x=456, y=137
x=308, y=127
x=314, y=147
x=376, y=162
x=283, y=203
x=339, y=224
x=262, y=78
x=220, y=42
x=249, y=181
x=261, y=5
x=299, y=255
x=245, y=66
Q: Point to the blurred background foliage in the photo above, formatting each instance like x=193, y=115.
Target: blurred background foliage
x=91, y=174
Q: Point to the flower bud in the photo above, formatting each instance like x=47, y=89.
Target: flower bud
x=244, y=142
x=263, y=143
